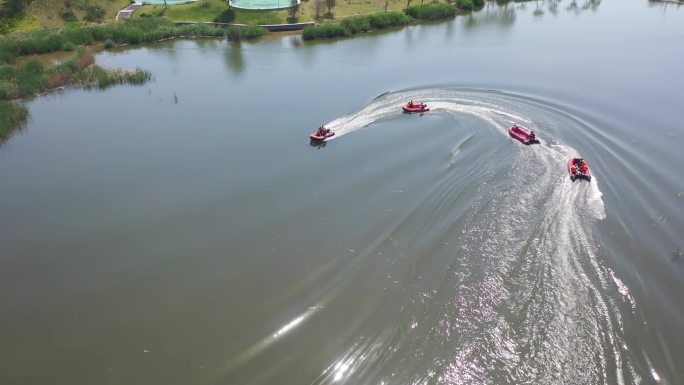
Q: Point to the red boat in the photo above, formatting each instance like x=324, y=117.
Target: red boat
x=316, y=135
x=579, y=169
x=411, y=107
x=520, y=133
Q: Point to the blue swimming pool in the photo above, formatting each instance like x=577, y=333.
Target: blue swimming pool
x=168, y=2
x=262, y=4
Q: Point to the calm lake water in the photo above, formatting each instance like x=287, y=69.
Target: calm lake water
x=186, y=231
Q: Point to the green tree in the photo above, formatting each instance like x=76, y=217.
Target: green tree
x=13, y=6
x=294, y=7
x=318, y=5
x=330, y=4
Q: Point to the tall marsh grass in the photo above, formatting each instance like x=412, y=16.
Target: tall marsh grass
x=434, y=11
x=33, y=77
x=133, y=31
x=13, y=117
x=356, y=24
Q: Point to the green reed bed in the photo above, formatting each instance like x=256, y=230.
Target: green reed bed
x=132, y=31
x=470, y=5
x=13, y=116
x=434, y=11
x=33, y=77
x=99, y=77
x=356, y=24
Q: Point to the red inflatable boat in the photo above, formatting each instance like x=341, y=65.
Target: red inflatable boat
x=415, y=107
x=316, y=136
x=520, y=133
x=579, y=169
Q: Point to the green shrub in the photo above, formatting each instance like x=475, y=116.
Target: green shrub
x=94, y=13
x=18, y=22
x=324, y=31
x=67, y=15
x=68, y=46
x=356, y=24
x=33, y=67
x=4, y=91
x=109, y=44
x=6, y=72
x=466, y=5
x=252, y=32
x=388, y=19
x=432, y=11
x=227, y=16
x=13, y=117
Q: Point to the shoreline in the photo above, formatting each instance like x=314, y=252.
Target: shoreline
x=25, y=53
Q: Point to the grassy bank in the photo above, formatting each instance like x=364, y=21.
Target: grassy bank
x=381, y=20
x=129, y=32
x=309, y=10
x=356, y=24
x=212, y=10
x=54, y=13
x=19, y=23
x=434, y=11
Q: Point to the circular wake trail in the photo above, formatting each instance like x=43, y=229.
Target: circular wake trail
x=521, y=295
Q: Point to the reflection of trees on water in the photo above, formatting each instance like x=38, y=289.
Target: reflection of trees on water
x=591, y=5
x=502, y=15
x=503, y=12
x=665, y=3
x=235, y=58
x=552, y=6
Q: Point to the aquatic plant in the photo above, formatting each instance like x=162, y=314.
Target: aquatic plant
x=356, y=24
x=432, y=11
x=13, y=116
x=466, y=5
x=324, y=31
x=33, y=77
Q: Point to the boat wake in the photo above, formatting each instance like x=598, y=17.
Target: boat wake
x=516, y=279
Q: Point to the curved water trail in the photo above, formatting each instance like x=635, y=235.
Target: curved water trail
x=525, y=297
x=489, y=275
